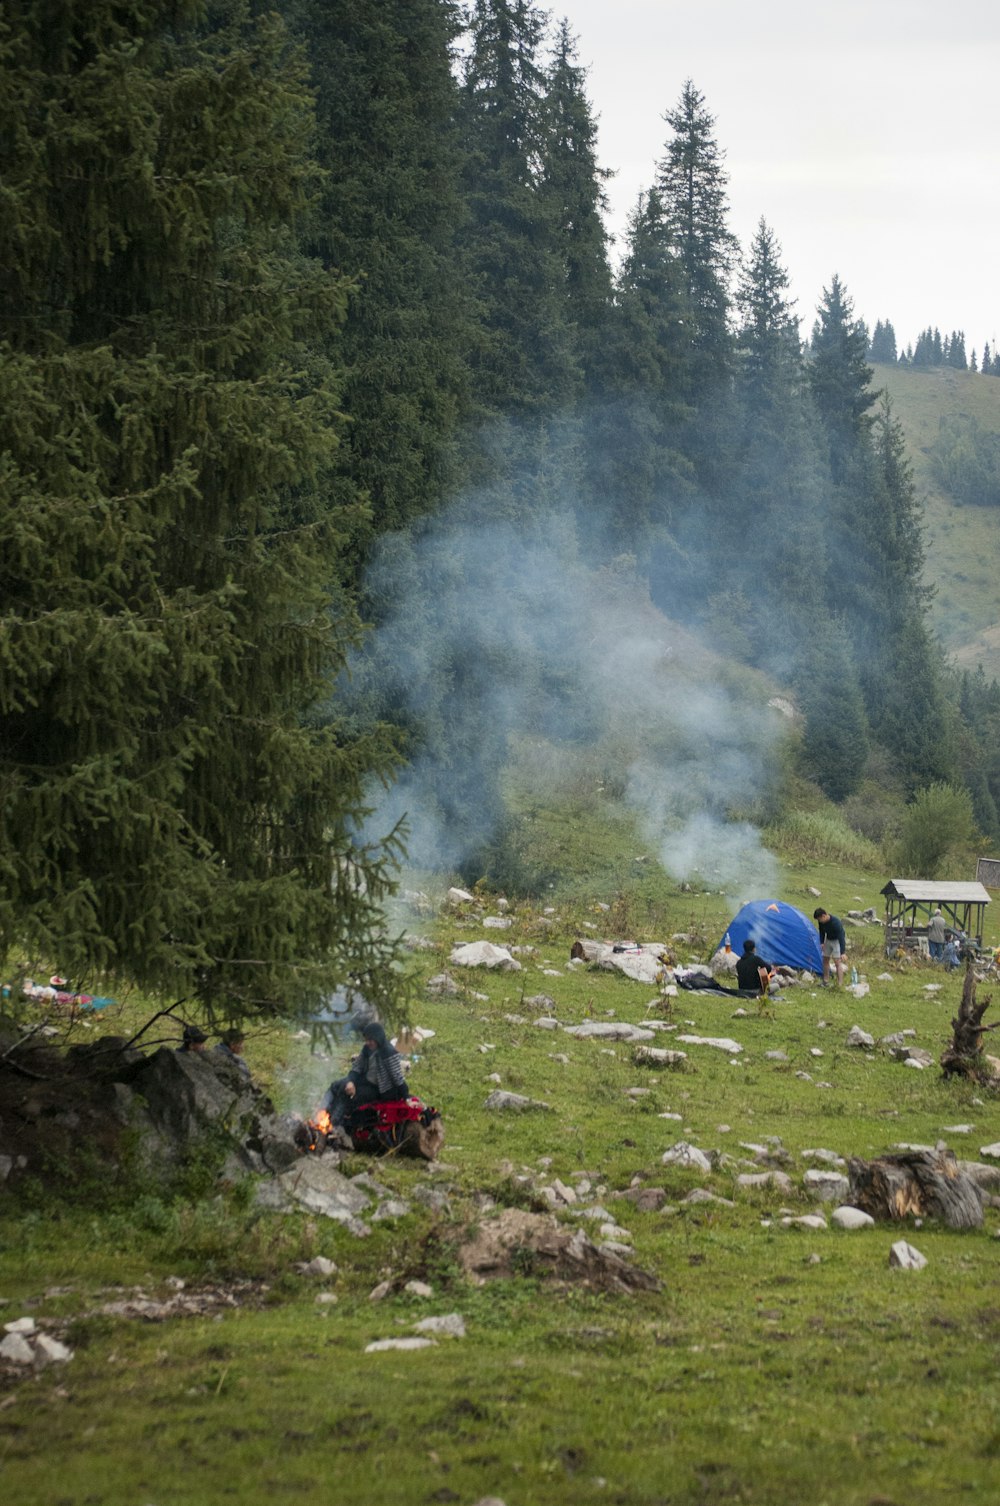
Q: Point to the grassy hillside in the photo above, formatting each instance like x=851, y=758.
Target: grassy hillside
x=774, y=1362
x=963, y=543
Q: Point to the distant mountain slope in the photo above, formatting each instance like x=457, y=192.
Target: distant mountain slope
x=963, y=543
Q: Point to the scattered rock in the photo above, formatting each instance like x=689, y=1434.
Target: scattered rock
x=517, y=1242
x=382, y=1344
x=846, y=1217
x=828, y=1186
x=858, y=1037
x=609, y=1030
x=515, y=1102
x=442, y=985
x=656, y=1056
x=805, y=1221
x=452, y=1324
x=685, y=1154
x=484, y=954
x=721, y=1043
x=905, y=1257
x=779, y=1180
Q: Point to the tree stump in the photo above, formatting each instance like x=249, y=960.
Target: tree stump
x=917, y=1183
x=964, y=1055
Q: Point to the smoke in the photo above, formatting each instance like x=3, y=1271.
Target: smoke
x=488, y=638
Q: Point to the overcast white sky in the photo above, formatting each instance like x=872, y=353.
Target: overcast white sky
x=866, y=132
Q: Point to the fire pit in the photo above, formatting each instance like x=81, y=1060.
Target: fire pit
x=406, y=1126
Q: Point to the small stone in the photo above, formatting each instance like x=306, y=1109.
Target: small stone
x=452, y=1324
x=318, y=1266
x=806, y=1221
x=175, y=1283
x=382, y=1344
x=377, y=1293
x=846, y=1217
x=20, y=1325
x=326, y=1299
x=418, y=1289
x=685, y=1154
x=16, y=1350
x=858, y=1037
x=49, y=1351
x=904, y=1257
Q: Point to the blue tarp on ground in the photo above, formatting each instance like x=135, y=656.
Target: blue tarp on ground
x=782, y=933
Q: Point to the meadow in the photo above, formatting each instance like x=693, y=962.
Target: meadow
x=773, y=1363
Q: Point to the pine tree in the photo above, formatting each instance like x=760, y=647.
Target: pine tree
x=573, y=195
x=634, y=467
x=691, y=183
x=883, y=343
x=839, y=375
x=524, y=366
x=388, y=215
x=167, y=553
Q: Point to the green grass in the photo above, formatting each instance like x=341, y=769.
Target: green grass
x=753, y=1375
x=963, y=543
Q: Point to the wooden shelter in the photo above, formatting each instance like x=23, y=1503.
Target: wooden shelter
x=909, y=904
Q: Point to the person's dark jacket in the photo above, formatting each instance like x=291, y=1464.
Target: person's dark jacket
x=748, y=971
x=382, y=1068
x=832, y=929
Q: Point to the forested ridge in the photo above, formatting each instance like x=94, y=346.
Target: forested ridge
x=314, y=351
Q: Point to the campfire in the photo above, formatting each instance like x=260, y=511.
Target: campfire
x=407, y=1126
x=312, y=1135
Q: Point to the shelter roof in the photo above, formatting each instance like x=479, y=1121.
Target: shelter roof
x=922, y=890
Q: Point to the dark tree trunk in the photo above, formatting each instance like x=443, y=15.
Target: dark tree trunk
x=922, y=1184
x=964, y=1055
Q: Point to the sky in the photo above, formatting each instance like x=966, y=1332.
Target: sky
x=863, y=131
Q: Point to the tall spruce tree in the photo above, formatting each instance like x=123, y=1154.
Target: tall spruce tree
x=524, y=366
x=840, y=376
x=166, y=551
x=572, y=186
x=691, y=181
x=387, y=217
x=635, y=470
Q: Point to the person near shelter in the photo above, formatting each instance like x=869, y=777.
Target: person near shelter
x=951, y=956
x=833, y=943
x=935, y=935
x=376, y=1075
x=753, y=974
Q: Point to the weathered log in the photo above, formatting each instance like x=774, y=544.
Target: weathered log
x=917, y=1183
x=964, y=1053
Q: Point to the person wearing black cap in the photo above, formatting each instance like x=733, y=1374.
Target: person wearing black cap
x=193, y=1040
x=376, y=1075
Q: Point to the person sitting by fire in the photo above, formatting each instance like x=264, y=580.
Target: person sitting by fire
x=230, y=1051
x=753, y=974
x=193, y=1041
x=376, y=1075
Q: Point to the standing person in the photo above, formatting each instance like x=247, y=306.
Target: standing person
x=753, y=974
x=376, y=1074
x=935, y=935
x=833, y=943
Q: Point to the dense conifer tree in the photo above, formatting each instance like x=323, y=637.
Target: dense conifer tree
x=524, y=365
x=883, y=343
x=691, y=182
x=573, y=195
x=634, y=467
x=839, y=375
x=387, y=217
x=166, y=553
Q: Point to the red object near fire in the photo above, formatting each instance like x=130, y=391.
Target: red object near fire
x=404, y=1125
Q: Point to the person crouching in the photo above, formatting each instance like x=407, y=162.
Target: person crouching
x=376, y=1075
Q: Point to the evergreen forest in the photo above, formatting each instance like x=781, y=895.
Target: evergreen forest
x=341, y=452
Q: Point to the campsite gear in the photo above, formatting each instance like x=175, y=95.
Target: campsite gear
x=784, y=935
x=394, y=1124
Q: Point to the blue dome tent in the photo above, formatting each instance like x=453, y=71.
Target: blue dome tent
x=782, y=933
